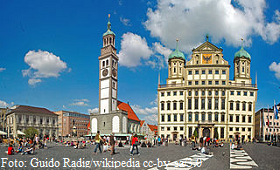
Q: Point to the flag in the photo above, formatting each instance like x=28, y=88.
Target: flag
x=276, y=112
x=267, y=116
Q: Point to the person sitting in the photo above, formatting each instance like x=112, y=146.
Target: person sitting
x=27, y=151
x=149, y=144
x=19, y=148
x=221, y=145
x=10, y=149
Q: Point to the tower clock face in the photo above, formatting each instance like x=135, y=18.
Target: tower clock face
x=105, y=72
x=114, y=72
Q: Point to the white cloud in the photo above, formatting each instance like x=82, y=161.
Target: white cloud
x=4, y=104
x=151, y=119
x=125, y=21
x=133, y=50
x=150, y=113
x=275, y=68
x=94, y=110
x=80, y=102
x=224, y=20
x=43, y=64
x=2, y=69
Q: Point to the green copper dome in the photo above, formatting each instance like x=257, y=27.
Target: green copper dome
x=176, y=53
x=108, y=32
x=242, y=53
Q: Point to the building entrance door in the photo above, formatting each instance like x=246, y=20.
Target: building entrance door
x=206, y=132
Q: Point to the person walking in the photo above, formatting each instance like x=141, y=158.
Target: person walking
x=134, y=144
x=97, y=142
x=112, y=143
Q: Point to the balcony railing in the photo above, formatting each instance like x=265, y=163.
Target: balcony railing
x=171, y=85
x=242, y=85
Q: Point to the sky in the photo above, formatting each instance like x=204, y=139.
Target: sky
x=50, y=49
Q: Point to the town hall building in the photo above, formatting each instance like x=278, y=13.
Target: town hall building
x=199, y=97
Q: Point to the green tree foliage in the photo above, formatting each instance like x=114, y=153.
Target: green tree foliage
x=216, y=134
x=195, y=133
x=30, y=132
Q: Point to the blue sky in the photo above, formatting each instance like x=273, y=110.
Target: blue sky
x=49, y=49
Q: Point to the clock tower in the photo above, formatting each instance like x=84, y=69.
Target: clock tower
x=108, y=73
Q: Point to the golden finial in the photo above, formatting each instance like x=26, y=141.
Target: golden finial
x=242, y=42
x=109, y=16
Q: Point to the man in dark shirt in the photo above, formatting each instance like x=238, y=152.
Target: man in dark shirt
x=112, y=143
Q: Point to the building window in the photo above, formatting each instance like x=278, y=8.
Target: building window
x=237, y=118
x=190, y=93
x=181, y=93
x=203, y=103
x=196, y=72
x=223, y=103
x=181, y=106
x=209, y=71
x=189, y=104
x=162, y=94
x=174, y=106
x=168, y=128
x=209, y=116
x=209, y=93
x=168, y=106
x=216, y=92
x=162, y=118
x=244, y=106
x=216, y=71
x=249, y=129
x=249, y=119
x=196, y=93
x=231, y=92
x=250, y=107
x=190, y=117
x=222, y=132
x=223, y=82
x=209, y=82
x=162, y=106
x=196, y=103
x=216, y=82
x=216, y=117
x=196, y=117
x=175, y=117
x=196, y=82
x=224, y=72
x=174, y=93
x=237, y=105
x=168, y=118
x=181, y=117
x=231, y=105
x=245, y=93
x=209, y=103
x=243, y=118
x=162, y=128
x=203, y=117
x=230, y=129
x=168, y=93
x=190, y=132
x=203, y=93
x=251, y=93
x=231, y=118
x=203, y=83
x=222, y=117
x=237, y=129
x=181, y=128
x=223, y=93
x=216, y=103
x=203, y=72
x=190, y=72
x=190, y=83
x=238, y=93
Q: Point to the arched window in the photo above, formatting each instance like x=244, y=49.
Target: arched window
x=174, y=70
x=116, y=124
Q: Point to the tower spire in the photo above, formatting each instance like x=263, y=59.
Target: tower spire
x=207, y=37
x=109, y=23
x=256, y=80
x=177, y=44
x=242, y=43
x=159, y=77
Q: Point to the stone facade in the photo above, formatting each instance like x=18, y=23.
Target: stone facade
x=199, y=95
x=21, y=117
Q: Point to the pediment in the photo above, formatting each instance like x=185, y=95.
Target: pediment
x=207, y=46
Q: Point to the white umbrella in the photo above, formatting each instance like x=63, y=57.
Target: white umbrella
x=20, y=132
x=2, y=133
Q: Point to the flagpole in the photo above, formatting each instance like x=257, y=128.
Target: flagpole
x=273, y=118
x=268, y=120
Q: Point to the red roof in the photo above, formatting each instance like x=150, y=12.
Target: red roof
x=130, y=113
x=142, y=122
x=31, y=109
x=153, y=128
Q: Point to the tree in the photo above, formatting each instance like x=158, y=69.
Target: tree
x=195, y=133
x=30, y=132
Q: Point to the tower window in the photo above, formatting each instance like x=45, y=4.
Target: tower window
x=174, y=70
x=103, y=63
x=107, y=62
x=190, y=72
x=242, y=69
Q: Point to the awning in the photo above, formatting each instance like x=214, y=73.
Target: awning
x=2, y=133
x=116, y=134
x=20, y=132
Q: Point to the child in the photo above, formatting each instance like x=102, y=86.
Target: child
x=10, y=150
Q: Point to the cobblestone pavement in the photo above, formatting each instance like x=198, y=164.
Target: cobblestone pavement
x=159, y=157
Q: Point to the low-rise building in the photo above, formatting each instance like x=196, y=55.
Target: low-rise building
x=72, y=123
x=20, y=117
x=264, y=124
